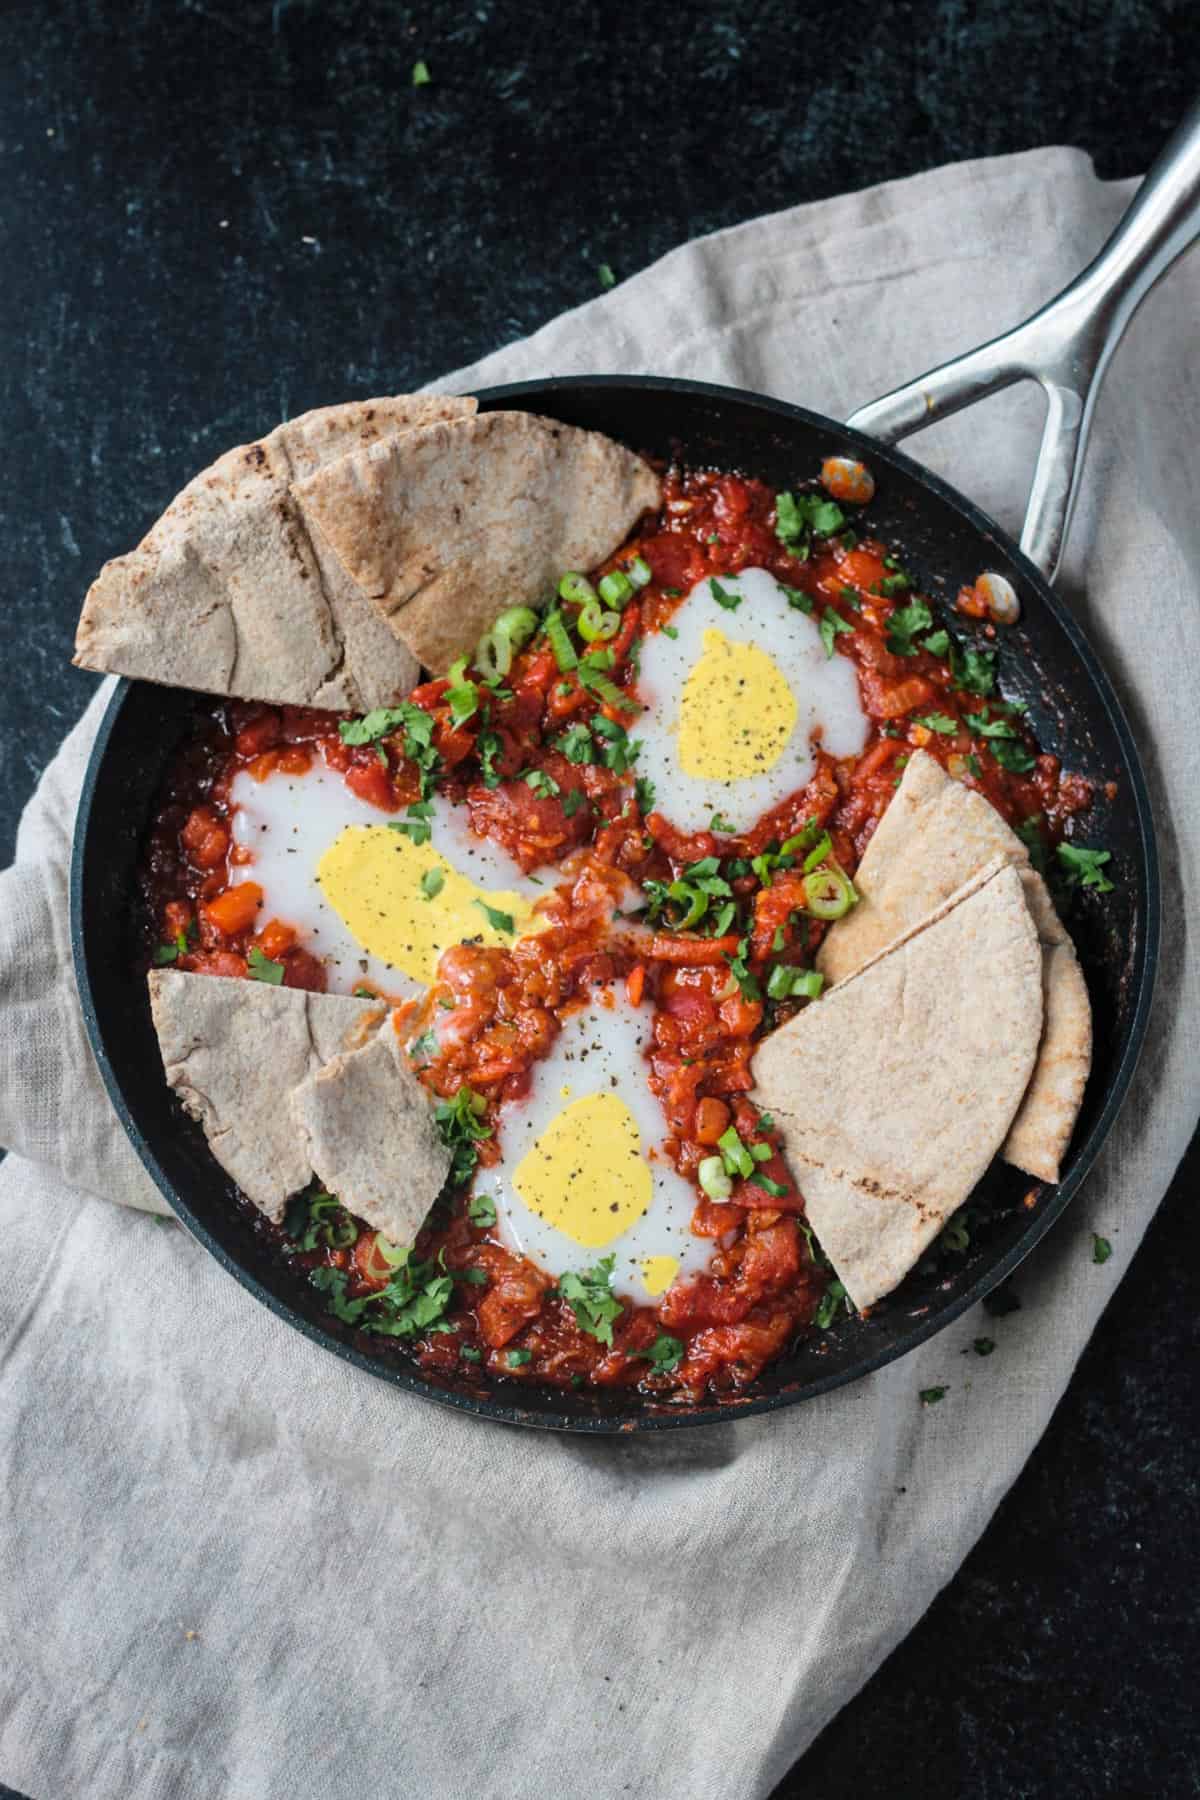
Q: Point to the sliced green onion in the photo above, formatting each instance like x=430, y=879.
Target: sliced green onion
x=787, y=983
x=560, y=643
x=394, y=1255
x=616, y=589
x=828, y=894
x=341, y=1234
x=818, y=853
x=639, y=572
x=594, y=625
x=576, y=588
x=713, y=1179
x=511, y=632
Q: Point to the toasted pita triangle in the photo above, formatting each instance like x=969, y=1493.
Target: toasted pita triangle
x=895, y=1091
x=228, y=593
x=237, y=1051
x=934, y=837
x=368, y=1130
x=444, y=528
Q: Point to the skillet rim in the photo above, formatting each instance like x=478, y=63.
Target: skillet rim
x=1145, y=963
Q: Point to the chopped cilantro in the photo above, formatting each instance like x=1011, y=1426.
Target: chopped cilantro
x=717, y=823
x=644, y=791
x=432, y=883
x=1085, y=866
x=499, y=921
x=937, y=643
x=983, y=1346
x=605, y=276
x=462, y=696
x=590, y=1297
x=973, y=671
x=315, y=1218
x=831, y=624
x=723, y=597
x=420, y=74
x=931, y=1396
x=904, y=625
x=542, y=784
x=417, y=728
x=261, y=968
x=1013, y=757
x=670, y=631
x=576, y=744
x=482, y=1210
x=739, y=968
x=414, y=1300
x=974, y=766
x=800, y=517
x=616, y=752
x=835, y=1296
x=573, y=801
x=469, y=1353
x=797, y=598
x=169, y=953
x=665, y=1353
x=516, y=1359
x=1101, y=1248
x=423, y=1048
x=461, y=1125
x=941, y=722
x=891, y=585
x=488, y=747
x=415, y=824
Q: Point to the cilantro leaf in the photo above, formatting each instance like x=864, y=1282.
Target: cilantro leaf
x=461, y=1126
x=516, y=1359
x=542, y=784
x=469, y=1353
x=717, y=823
x=1013, y=757
x=261, y=968
x=432, y=883
x=973, y=671
x=798, y=599
x=1101, y=1248
x=590, y=1297
x=616, y=751
x=499, y=921
x=831, y=625
x=931, y=1396
x=482, y=1210
x=573, y=801
x=941, y=722
x=723, y=597
x=415, y=824
x=739, y=968
x=983, y=1346
x=315, y=1218
x=834, y=1297
x=1085, y=866
x=665, y=1353
x=904, y=624
x=644, y=791
x=488, y=747
x=937, y=643
x=576, y=744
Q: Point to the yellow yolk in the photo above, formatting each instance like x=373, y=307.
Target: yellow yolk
x=586, y=1174
x=658, y=1272
x=386, y=890
x=737, y=711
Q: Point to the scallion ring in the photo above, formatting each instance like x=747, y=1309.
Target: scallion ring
x=576, y=588
x=392, y=1256
x=828, y=894
x=594, y=626
x=713, y=1179
x=560, y=643
x=616, y=589
x=639, y=572
x=496, y=648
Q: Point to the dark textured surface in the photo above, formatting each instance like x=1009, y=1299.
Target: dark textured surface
x=218, y=214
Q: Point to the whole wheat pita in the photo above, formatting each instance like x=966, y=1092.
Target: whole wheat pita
x=447, y=526
x=935, y=835
x=895, y=1091
x=235, y=1052
x=230, y=594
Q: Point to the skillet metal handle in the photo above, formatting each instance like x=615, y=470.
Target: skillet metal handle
x=1065, y=346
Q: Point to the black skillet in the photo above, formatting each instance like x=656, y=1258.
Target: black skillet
x=1045, y=660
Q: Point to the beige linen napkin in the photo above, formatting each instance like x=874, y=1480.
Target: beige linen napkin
x=232, y=1567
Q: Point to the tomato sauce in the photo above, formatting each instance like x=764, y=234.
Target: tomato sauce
x=500, y=1009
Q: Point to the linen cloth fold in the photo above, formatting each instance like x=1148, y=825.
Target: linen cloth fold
x=231, y=1566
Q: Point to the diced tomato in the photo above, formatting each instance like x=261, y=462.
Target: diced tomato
x=204, y=838
x=275, y=938
x=712, y=1120
x=235, y=909
x=258, y=734
x=749, y=1193
x=302, y=970
x=371, y=782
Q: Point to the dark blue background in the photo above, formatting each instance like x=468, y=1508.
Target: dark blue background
x=216, y=215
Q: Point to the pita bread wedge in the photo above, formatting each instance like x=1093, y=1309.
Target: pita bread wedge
x=895, y=1091
x=229, y=593
x=934, y=837
x=234, y=1051
x=368, y=1131
x=445, y=527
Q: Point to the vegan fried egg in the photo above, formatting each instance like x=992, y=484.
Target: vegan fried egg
x=582, y=1173
x=735, y=690
x=372, y=900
